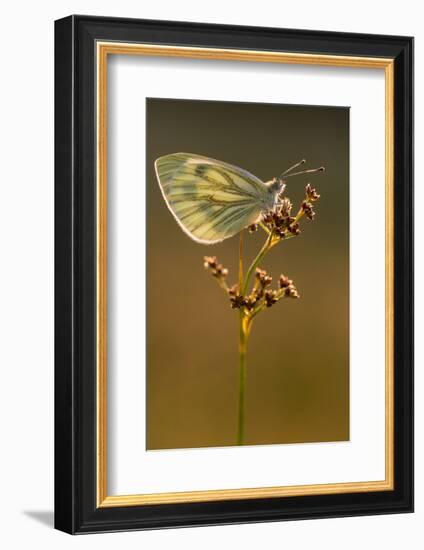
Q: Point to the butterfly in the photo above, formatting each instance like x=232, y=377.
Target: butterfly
x=212, y=200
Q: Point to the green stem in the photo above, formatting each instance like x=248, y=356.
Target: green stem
x=240, y=281
x=243, y=337
x=245, y=323
x=267, y=245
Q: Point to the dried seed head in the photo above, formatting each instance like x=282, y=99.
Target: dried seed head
x=253, y=228
x=294, y=229
x=308, y=210
x=237, y=301
x=279, y=221
x=280, y=233
x=270, y=298
x=267, y=280
x=311, y=193
x=291, y=292
x=217, y=270
x=267, y=218
x=220, y=272
x=258, y=293
x=250, y=302
x=263, y=278
x=210, y=262
x=284, y=281
x=285, y=207
x=232, y=291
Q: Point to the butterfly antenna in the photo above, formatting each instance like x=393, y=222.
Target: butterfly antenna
x=312, y=170
x=293, y=167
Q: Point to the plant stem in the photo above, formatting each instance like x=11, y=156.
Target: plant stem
x=245, y=324
x=240, y=281
x=243, y=336
x=242, y=355
x=267, y=245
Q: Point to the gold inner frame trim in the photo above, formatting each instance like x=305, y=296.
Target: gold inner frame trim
x=104, y=49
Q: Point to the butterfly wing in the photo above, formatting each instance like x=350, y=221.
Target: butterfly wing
x=211, y=200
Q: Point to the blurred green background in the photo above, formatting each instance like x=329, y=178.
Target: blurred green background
x=298, y=357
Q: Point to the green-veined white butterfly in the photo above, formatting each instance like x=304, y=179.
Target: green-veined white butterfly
x=213, y=200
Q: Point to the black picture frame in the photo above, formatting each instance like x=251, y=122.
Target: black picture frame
x=76, y=510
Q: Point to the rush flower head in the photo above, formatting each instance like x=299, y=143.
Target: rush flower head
x=287, y=286
x=236, y=300
x=209, y=262
x=308, y=210
x=292, y=292
x=285, y=207
x=262, y=277
x=311, y=196
x=271, y=298
x=217, y=270
x=311, y=193
x=284, y=281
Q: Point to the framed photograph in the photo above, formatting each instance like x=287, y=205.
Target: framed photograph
x=234, y=274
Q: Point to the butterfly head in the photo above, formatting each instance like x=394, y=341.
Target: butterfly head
x=277, y=186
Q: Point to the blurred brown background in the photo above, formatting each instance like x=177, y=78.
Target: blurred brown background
x=298, y=357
